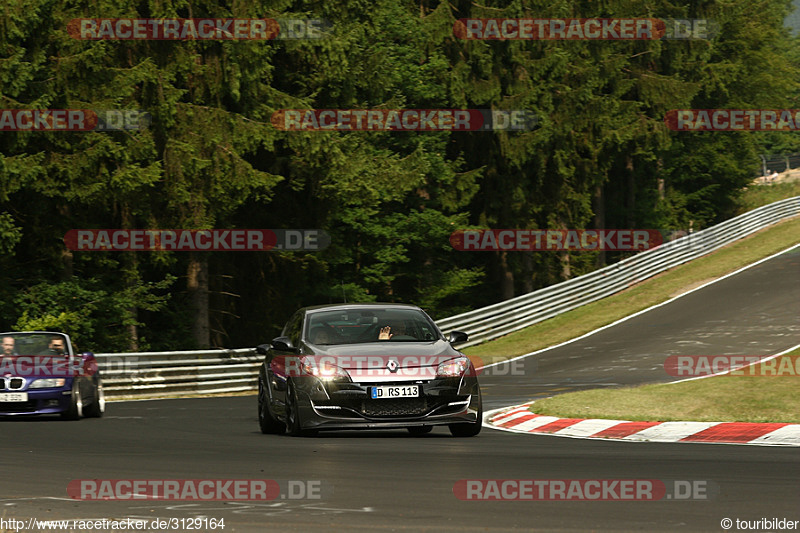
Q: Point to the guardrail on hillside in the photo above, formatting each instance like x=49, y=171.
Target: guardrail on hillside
x=512, y=315
x=159, y=374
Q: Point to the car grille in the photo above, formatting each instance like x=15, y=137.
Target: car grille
x=395, y=407
x=11, y=383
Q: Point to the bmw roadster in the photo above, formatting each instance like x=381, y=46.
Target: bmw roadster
x=40, y=373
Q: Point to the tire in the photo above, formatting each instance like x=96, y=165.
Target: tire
x=470, y=429
x=266, y=421
x=98, y=406
x=293, y=423
x=75, y=410
x=419, y=430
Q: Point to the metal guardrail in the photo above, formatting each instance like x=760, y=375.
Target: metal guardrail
x=779, y=163
x=512, y=315
x=160, y=374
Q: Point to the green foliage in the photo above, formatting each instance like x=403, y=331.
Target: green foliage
x=600, y=156
x=87, y=311
x=10, y=235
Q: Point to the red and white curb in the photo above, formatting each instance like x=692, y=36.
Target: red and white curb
x=520, y=419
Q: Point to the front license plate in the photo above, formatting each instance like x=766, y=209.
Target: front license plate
x=13, y=396
x=405, y=391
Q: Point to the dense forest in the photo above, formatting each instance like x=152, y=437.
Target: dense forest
x=600, y=156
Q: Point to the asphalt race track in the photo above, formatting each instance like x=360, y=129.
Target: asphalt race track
x=390, y=481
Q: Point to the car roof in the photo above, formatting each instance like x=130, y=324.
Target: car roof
x=333, y=307
x=32, y=332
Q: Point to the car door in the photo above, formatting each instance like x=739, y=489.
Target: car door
x=277, y=370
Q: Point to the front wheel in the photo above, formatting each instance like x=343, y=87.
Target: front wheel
x=75, y=410
x=98, y=406
x=293, y=422
x=268, y=423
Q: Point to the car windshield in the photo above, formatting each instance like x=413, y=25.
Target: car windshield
x=357, y=326
x=33, y=344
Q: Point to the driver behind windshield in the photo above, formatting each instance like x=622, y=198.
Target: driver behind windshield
x=396, y=327
x=56, y=346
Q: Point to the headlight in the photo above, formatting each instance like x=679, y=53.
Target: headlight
x=325, y=371
x=48, y=383
x=454, y=368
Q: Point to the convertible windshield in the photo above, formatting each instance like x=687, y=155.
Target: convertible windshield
x=374, y=324
x=33, y=344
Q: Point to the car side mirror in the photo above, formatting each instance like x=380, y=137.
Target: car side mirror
x=282, y=344
x=262, y=349
x=457, y=337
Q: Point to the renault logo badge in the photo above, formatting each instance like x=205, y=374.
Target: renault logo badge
x=392, y=366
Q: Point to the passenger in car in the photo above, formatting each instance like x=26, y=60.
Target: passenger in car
x=323, y=336
x=8, y=346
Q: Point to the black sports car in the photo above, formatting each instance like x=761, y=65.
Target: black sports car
x=366, y=366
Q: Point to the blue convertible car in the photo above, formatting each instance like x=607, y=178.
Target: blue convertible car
x=40, y=373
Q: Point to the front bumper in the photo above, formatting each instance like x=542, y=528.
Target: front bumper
x=325, y=406
x=40, y=402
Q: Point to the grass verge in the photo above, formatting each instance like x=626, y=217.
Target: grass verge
x=758, y=195
x=756, y=398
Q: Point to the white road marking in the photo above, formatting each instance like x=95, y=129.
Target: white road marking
x=784, y=435
x=670, y=431
x=588, y=427
x=534, y=423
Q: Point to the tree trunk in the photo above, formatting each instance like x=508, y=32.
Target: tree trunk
x=527, y=268
x=506, y=278
x=566, y=269
x=197, y=286
x=67, y=270
x=131, y=262
x=630, y=208
x=599, y=208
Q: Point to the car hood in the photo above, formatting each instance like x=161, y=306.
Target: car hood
x=389, y=348
x=387, y=361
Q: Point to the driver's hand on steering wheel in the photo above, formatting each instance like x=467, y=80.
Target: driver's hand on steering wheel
x=385, y=333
